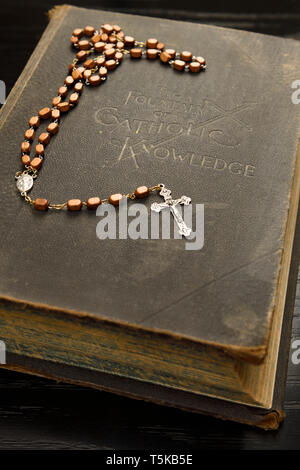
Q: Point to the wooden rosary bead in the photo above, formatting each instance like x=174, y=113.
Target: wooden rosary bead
x=63, y=91
x=36, y=163
x=63, y=107
x=151, y=43
x=74, y=204
x=120, y=45
x=129, y=41
x=25, y=147
x=116, y=28
x=78, y=87
x=152, y=53
x=186, y=56
x=165, y=57
x=96, y=38
x=53, y=128
x=45, y=113
x=112, y=39
x=99, y=46
x=179, y=64
x=39, y=149
x=26, y=160
x=55, y=114
x=95, y=80
x=81, y=55
x=171, y=52
x=87, y=74
x=56, y=101
x=160, y=46
x=195, y=67
x=136, y=53
x=29, y=134
x=41, y=204
x=111, y=64
x=74, y=40
x=84, y=45
x=119, y=56
x=109, y=53
x=44, y=138
x=93, y=202
x=104, y=37
x=78, y=32
x=103, y=72
x=89, y=64
x=121, y=35
x=34, y=121
x=100, y=61
x=141, y=191
x=115, y=199
x=107, y=28
x=81, y=69
x=69, y=80
x=74, y=98
x=201, y=60
x=76, y=74
x=89, y=30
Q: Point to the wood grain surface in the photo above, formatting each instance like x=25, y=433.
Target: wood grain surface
x=40, y=414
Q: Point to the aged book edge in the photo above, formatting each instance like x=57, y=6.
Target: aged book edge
x=254, y=355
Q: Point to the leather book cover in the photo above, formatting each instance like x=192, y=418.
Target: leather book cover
x=227, y=138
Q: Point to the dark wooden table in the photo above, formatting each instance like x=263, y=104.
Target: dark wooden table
x=40, y=414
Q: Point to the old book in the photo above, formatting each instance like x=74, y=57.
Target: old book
x=196, y=329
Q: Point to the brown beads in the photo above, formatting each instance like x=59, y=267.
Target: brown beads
x=45, y=113
x=151, y=43
x=41, y=204
x=74, y=98
x=55, y=114
x=96, y=38
x=81, y=55
x=74, y=204
x=107, y=28
x=100, y=61
x=103, y=72
x=152, y=53
x=44, y=138
x=26, y=159
x=34, y=121
x=69, y=80
x=110, y=53
x=63, y=107
x=99, y=46
x=29, y=134
x=186, y=56
x=160, y=46
x=119, y=56
x=136, y=53
x=179, y=64
x=171, y=52
x=93, y=202
x=89, y=30
x=141, y=191
x=194, y=67
x=25, y=147
x=53, y=128
x=95, y=80
x=111, y=64
x=129, y=41
x=115, y=199
x=63, y=91
x=84, y=45
x=78, y=32
x=201, y=60
x=36, y=163
x=39, y=148
x=76, y=75
x=165, y=57
x=56, y=100
x=78, y=87
x=89, y=64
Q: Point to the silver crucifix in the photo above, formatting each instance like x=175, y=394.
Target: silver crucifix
x=171, y=204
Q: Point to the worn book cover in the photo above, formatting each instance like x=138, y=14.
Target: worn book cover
x=197, y=329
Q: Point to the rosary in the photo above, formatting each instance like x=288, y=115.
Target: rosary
x=112, y=45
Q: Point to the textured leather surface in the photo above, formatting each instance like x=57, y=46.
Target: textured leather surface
x=237, y=111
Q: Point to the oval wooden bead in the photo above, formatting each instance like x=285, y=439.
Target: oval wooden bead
x=74, y=98
x=171, y=52
x=81, y=55
x=69, y=80
x=93, y=202
x=74, y=40
x=160, y=46
x=56, y=101
x=115, y=199
x=53, y=128
x=110, y=64
x=201, y=60
x=89, y=64
x=84, y=45
x=152, y=53
x=76, y=74
x=116, y=28
x=78, y=32
x=103, y=72
x=29, y=134
x=107, y=28
x=36, y=163
x=96, y=38
x=87, y=74
x=194, y=67
x=165, y=57
x=41, y=204
x=151, y=43
x=100, y=61
x=112, y=39
x=44, y=138
x=25, y=147
x=74, y=204
x=63, y=91
x=55, y=114
x=119, y=56
x=120, y=45
x=34, y=121
x=26, y=160
x=141, y=191
x=179, y=64
x=136, y=53
x=45, y=113
x=121, y=35
x=104, y=37
x=129, y=41
x=95, y=80
x=186, y=56
x=99, y=46
x=89, y=30
x=109, y=53
x=63, y=107
x=78, y=87
x=39, y=149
